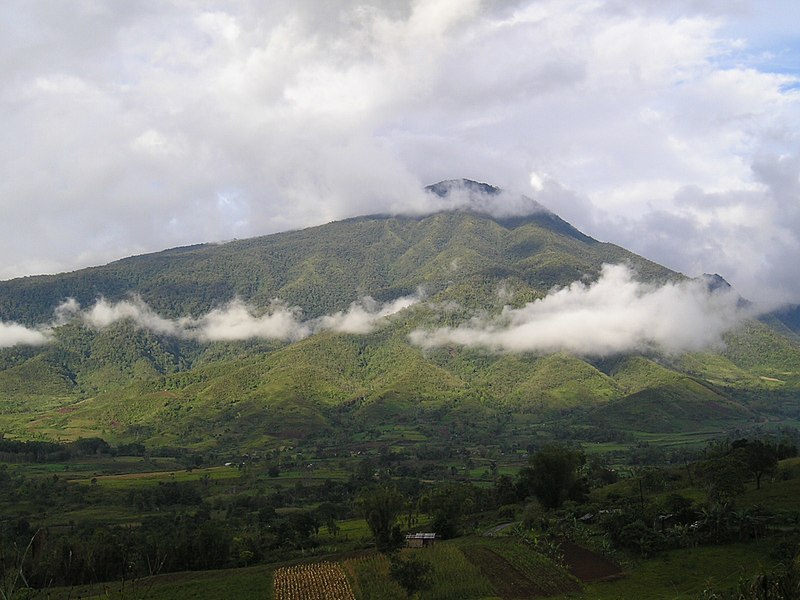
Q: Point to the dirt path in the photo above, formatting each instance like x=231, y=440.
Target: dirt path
x=497, y=529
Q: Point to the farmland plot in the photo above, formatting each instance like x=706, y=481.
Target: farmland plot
x=453, y=576
x=369, y=577
x=549, y=577
x=507, y=581
x=317, y=581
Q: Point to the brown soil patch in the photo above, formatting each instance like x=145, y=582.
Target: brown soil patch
x=587, y=565
x=507, y=581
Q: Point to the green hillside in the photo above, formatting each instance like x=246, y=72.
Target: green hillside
x=141, y=451
x=128, y=383
x=324, y=269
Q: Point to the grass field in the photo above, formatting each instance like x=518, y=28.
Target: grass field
x=135, y=480
x=251, y=583
x=682, y=574
x=678, y=439
x=774, y=495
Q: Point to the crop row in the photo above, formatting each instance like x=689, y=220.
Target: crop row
x=317, y=581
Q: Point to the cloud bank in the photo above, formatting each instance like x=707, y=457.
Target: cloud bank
x=364, y=315
x=237, y=321
x=464, y=194
x=233, y=322
x=616, y=314
x=14, y=334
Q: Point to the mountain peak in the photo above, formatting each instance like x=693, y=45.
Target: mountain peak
x=478, y=197
x=508, y=209
x=715, y=281
x=444, y=188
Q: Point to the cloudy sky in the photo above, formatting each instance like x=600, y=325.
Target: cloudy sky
x=671, y=128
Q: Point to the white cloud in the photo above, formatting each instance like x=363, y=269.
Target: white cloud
x=616, y=314
x=363, y=316
x=465, y=195
x=748, y=235
x=14, y=334
x=104, y=314
x=232, y=322
x=238, y=321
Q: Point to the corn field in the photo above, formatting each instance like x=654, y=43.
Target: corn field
x=317, y=581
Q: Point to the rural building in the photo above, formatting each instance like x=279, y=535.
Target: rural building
x=420, y=540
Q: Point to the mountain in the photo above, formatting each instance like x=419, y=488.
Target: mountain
x=125, y=380
x=323, y=269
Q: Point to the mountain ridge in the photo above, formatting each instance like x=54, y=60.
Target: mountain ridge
x=125, y=381
x=197, y=278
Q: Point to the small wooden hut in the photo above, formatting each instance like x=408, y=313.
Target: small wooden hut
x=420, y=540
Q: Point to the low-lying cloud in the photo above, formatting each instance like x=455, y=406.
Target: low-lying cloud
x=104, y=314
x=363, y=316
x=14, y=334
x=615, y=314
x=238, y=321
x=461, y=194
x=233, y=322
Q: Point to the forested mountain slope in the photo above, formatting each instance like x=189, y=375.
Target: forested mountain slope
x=325, y=268
x=125, y=380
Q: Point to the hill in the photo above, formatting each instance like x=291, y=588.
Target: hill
x=323, y=269
x=157, y=361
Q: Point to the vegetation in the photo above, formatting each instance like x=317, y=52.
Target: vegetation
x=137, y=464
x=318, y=581
x=552, y=476
x=127, y=384
x=411, y=572
x=382, y=506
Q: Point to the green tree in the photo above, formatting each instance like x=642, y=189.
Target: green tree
x=552, y=475
x=382, y=506
x=411, y=572
x=759, y=457
x=504, y=491
x=448, y=503
x=326, y=513
x=723, y=477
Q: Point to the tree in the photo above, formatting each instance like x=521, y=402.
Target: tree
x=412, y=573
x=504, y=491
x=552, y=475
x=448, y=503
x=598, y=473
x=326, y=513
x=12, y=576
x=723, y=476
x=365, y=470
x=715, y=522
x=759, y=457
x=382, y=506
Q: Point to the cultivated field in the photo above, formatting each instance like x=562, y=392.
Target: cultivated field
x=317, y=581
